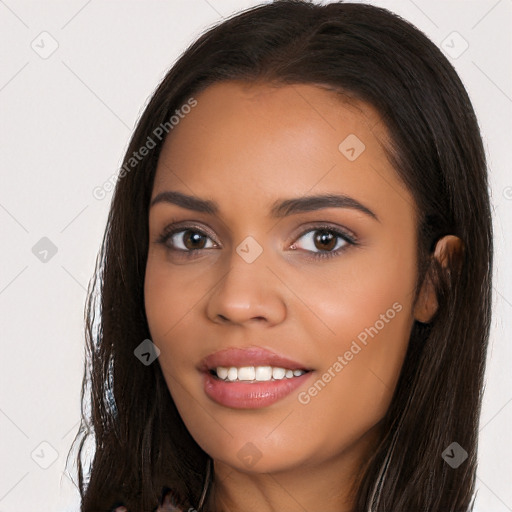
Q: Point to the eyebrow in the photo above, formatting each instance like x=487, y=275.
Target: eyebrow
x=279, y=209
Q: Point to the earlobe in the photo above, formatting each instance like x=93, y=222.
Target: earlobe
x=426, y=305
x=447, y=251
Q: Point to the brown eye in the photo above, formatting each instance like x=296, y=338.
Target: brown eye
x=185, y=240
x=193, y=239
x=325, y=240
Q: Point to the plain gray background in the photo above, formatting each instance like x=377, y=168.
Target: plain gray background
x=74, y=78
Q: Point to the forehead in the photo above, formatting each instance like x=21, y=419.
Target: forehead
x=262, y=141
x=291, y=108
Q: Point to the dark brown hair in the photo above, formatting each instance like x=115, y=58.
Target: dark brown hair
x=142, y=447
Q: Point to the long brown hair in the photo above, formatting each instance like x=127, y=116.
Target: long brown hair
x=142, y=447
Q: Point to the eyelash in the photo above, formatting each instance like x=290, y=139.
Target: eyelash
x=172, y=230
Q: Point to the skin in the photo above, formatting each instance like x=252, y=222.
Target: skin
x=246, y=146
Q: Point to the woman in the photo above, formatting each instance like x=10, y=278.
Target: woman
x=295, y=278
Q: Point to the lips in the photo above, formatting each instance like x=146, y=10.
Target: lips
x=254, y=394
x=253, y=356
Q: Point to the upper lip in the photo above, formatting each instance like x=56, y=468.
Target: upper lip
x=250, y=356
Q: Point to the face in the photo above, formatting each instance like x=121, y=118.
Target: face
x=282, y=320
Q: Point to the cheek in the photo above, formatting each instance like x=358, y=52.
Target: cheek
x=158, y=301
x=361, y=358
x=369, y=318
x=170, y=296
x=370, y=294
x=167, y=305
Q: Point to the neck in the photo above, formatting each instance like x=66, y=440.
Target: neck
x=330, y=486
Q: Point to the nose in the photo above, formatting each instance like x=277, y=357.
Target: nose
x=248, y=293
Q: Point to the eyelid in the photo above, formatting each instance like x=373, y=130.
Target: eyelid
x=301, y=231
x=172, y=229
x=341, y=232
x=327, y=226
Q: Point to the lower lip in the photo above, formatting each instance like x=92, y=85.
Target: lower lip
x=250, y=395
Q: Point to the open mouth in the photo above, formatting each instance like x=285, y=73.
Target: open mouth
x=255, y=373
x=252, y=377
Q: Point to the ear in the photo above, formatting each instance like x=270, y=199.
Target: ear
x=447, y=250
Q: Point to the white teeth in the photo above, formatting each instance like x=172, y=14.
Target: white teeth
x=263, y=373
x=278, y=373
x=232, y=374
x=246, y=373
x=256, y=373
x=222, y=372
